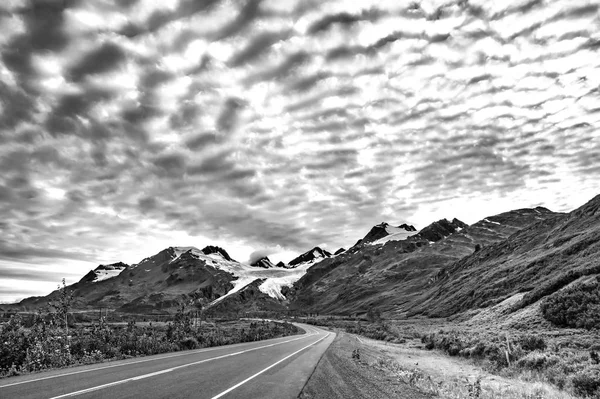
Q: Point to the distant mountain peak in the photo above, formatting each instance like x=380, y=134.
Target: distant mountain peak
x=310, y=256
x=210, y=249
x=384, y=229
x=263, y=262
x=104, y=272
x=441, y=229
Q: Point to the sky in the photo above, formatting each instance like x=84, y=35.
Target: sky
x=271, y=127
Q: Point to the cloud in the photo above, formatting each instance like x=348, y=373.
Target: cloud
x=170, y=164
x=256, y=47
x=103, y=59
x=343, y=19
x=257, y=125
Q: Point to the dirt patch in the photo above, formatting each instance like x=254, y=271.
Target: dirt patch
x=340, y=375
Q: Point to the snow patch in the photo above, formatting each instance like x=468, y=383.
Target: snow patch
x=491, y=221
x=237, y=285
x=395, y=234
x=102, y=275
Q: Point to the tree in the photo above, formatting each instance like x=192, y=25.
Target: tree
x=62, y=305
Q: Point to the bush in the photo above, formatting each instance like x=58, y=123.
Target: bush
x=537, y=361
x=531, y=343
x=188, y=343
x=587, y=382
x=577, y=307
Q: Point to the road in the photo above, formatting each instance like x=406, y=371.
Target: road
x=275, y=368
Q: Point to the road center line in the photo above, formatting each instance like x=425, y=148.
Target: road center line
x=265, y=369
x=185, y=353
x=140, y=377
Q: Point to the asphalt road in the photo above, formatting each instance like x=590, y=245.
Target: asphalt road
x=275, y=368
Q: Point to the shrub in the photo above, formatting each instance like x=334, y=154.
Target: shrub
x=577, y=307
x=531, y=343
x=587, y=382
x=537, y=361
x=188, y=343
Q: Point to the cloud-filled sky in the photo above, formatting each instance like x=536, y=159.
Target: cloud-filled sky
x=127, y=126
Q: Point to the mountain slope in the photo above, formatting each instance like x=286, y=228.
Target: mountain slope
x=392, y=275
x=539, y=260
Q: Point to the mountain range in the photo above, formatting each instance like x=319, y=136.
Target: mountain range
x=444, y=269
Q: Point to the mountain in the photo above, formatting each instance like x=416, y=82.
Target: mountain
x=529, y=265
x=104, y=272
x=310, y=256
x=393, y=275
x=263, y=262
x=441, y=229
x=210, y=249
x=339, y=251
x=173, y=276
x=383, y=232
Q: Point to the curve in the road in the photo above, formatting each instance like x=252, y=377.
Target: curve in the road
x=280, y=358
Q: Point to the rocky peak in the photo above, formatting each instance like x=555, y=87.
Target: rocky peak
x=382, y=230
x=263, y=262
x=210, y=249
x=309, y=256
x=441, y=229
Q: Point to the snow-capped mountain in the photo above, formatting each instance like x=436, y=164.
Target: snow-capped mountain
x=263, y=262
x=384, y=232
x=104, y=272
x=309, y=257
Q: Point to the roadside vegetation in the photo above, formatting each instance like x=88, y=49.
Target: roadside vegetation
x=51, y=338
x=567, y=359
x=571, y=366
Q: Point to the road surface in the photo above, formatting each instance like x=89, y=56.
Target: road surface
x=275, y=368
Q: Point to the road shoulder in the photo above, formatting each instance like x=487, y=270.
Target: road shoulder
x=339, y=375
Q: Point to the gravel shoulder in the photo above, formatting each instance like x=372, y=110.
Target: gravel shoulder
x=339, y=375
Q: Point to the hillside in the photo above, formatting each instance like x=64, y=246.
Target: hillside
x=538, y=260
x=392, y=276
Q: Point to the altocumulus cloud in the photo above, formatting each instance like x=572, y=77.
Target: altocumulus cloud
x=132, y=125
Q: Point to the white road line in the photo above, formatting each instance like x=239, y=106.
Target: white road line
x=361, y=341
x=265, y=369
x=185, y=353
x=140, y=377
